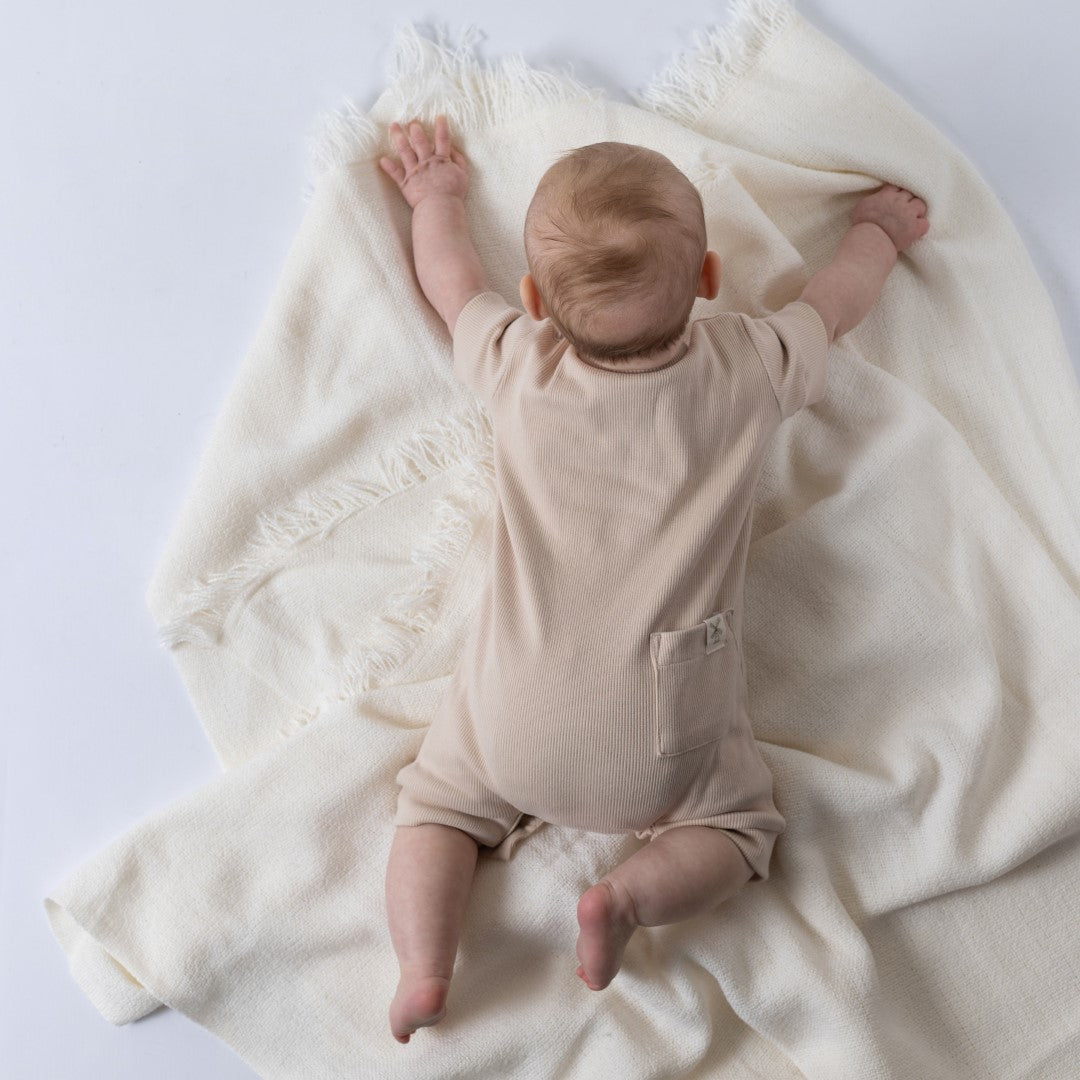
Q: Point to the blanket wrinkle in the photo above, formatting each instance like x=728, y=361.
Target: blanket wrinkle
x=911, y=620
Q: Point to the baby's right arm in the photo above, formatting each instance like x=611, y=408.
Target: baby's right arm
x=883, y=224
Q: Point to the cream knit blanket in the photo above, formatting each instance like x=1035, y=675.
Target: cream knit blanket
x=912, y=627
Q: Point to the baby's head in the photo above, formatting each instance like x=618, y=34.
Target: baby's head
x=615, y=242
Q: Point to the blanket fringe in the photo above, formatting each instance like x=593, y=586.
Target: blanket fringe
x=410, y=614
x=720, y=57
x=446, y=444
x=428, y=77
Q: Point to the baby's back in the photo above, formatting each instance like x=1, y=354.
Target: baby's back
x=622, y=523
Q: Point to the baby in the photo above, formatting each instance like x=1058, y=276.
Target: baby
x=602, y=685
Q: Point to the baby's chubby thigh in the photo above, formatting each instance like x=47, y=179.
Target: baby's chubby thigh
x=448, y=783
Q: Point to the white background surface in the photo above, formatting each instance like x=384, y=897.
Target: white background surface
x=154, y=158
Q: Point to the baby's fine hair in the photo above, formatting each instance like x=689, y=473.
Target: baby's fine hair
x=618, y=227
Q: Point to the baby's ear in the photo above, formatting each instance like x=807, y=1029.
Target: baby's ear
x=531, y=299
x=711, y=273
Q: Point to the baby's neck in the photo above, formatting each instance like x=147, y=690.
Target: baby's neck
x=633, y=364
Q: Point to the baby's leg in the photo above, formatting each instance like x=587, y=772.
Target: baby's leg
x=680, y=873
x=428, y=877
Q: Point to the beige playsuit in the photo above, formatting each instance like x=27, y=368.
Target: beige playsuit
x=602, y=684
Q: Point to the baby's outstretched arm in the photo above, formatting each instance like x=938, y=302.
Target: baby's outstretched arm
x=883, y=224
x=434, y=181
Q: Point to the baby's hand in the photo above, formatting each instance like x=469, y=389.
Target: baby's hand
x=897, y=211
x=423, y=171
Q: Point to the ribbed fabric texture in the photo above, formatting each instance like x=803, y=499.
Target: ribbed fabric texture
x=592, y=692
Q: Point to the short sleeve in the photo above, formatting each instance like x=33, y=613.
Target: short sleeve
x=793, y=345
x=487, y=333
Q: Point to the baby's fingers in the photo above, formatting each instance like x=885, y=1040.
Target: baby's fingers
x=408, y=156
x=909, y=197
x=442, y=136
x=394, y=169
x=421, y=142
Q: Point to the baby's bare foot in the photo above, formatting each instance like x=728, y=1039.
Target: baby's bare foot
x=606, y=921
x=420, y=1001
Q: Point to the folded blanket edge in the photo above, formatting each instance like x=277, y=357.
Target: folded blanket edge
x=110, y=987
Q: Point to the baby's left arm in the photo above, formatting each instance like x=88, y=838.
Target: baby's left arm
x=434, y=182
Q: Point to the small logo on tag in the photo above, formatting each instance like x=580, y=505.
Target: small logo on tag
x=715, y=632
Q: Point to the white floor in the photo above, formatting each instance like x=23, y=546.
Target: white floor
x=154, y=158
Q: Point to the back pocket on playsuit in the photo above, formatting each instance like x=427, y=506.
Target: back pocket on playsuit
x=697, y=674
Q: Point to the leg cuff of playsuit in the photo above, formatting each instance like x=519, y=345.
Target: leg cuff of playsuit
x=111, y=988
x=756, y=846
x=754, y=833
